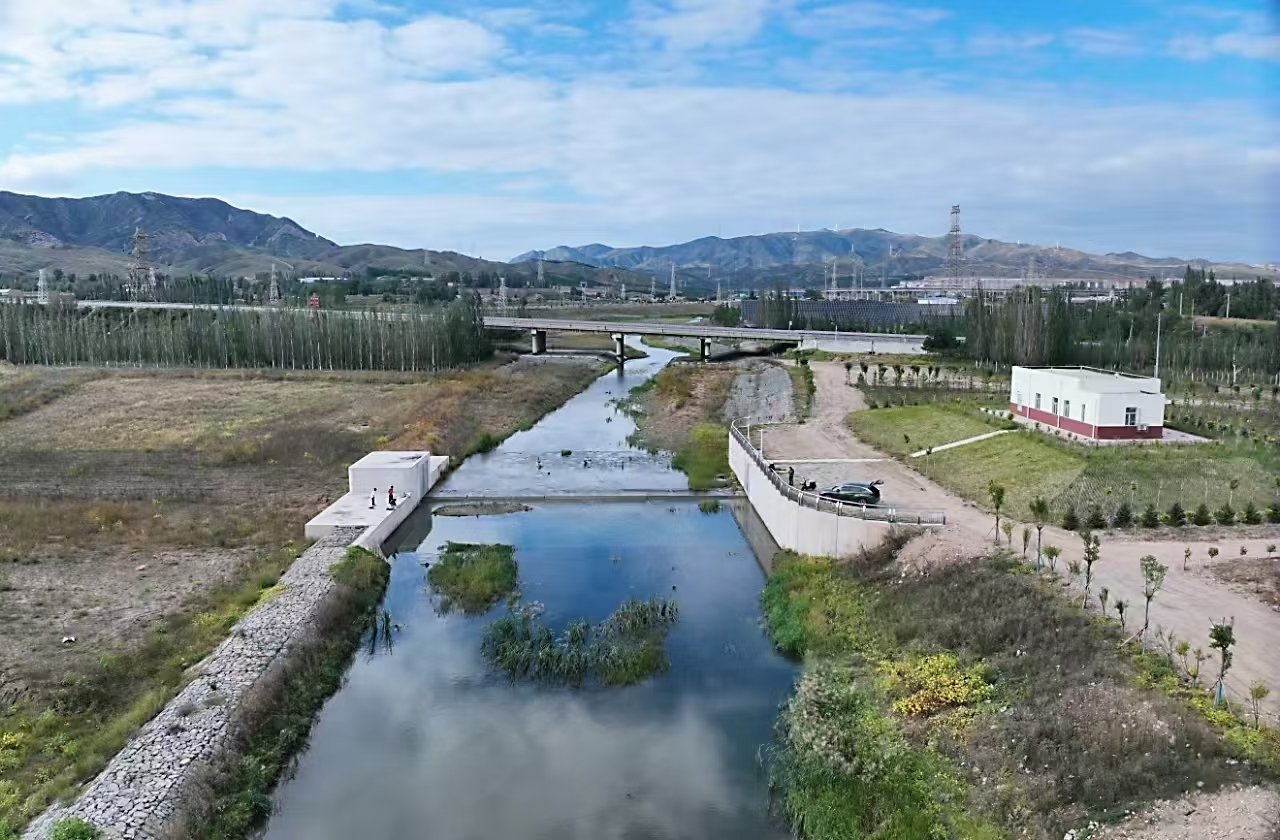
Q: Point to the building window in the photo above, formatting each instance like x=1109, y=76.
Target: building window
x=1081, y=412
x=1066, y=409
x=1131, y=416
x=1037, y=402
x=1055, y=406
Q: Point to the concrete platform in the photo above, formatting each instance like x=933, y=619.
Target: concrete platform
x=412, y=474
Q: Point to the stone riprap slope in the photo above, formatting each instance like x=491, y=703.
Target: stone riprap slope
x=140, y=792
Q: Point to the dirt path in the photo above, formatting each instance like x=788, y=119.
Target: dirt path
x=1185, y=605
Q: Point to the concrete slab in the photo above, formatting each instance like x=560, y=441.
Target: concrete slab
x=365, y=506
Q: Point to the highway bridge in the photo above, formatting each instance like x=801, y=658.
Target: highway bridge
x=619, y=330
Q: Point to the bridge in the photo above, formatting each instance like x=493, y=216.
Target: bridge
x=619, y=330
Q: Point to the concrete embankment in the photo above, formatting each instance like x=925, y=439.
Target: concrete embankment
x=142, y=789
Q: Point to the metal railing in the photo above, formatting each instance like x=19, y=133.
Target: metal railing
x=876, y=513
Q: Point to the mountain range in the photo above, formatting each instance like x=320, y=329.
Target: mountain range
x=208, y=235
x=811, y=254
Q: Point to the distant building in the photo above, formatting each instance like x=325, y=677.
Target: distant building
x=1093, y=403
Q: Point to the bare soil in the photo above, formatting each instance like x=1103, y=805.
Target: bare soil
x=1258, y=577
x=684, y=395
x=188, y=473
x=1239, y=813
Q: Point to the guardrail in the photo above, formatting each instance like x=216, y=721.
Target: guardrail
x=805, y=498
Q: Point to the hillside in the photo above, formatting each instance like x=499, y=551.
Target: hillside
x=209, y=236
x=805, y=254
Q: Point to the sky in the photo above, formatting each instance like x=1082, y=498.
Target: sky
x=494, y=128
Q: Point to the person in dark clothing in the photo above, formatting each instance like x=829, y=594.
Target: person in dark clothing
x=791, y=476
x=391, y=498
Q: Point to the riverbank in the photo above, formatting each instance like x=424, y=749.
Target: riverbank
x=146, y=512
x=969, y=695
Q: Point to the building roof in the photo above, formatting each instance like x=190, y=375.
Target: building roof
x=1105, y=381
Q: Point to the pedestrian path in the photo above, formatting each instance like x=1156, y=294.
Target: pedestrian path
x=954, y=444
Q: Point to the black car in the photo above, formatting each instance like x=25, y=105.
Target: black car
x=858, y=492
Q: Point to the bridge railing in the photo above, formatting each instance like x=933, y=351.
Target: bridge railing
x=877, y=513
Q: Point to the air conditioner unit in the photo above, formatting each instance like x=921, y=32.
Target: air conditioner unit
x=1142, y=427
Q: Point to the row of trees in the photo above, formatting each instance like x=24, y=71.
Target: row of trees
x=430, y=339
x=1034, y=327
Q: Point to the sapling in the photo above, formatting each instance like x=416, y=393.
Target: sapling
x=1186, y=558
x=1221, y=637
x=1103, y=595
x=1092, y=550
x=1199, y=656
x=1183, y=648
x=1074, y=569
x=1052, y=553
x=1152, y=579
x=1257, y=693
x=1121, y=606
x=1026, y=541
x=1007, y=527
x=1244, y=550
x=1040, y=512
x=1271, y=549
x=996, y=491
x=1213, y=553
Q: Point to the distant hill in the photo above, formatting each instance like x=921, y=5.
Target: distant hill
x=208, y=235
x=807, y=254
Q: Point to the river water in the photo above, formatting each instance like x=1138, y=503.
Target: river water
x=425, y=740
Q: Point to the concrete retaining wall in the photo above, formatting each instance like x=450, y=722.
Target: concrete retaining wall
x=794, y=526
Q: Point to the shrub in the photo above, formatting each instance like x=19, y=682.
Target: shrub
x=74, y=828
x=1150, y=518
x=1123, y=516
x=1070, y=521
x=1225, y=515
x=709, y=505
x=1177, y=516
x=1202, y=516
x=1273, y=513
x=1096, y=521
x=1251, y=515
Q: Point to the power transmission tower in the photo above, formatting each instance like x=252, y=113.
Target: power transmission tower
x=42, y=288
x=542, y=275
x=672, y=295
x=273, y=290
x=955, y=249
x=141, y=266
x=502, y=292
x=653, y=288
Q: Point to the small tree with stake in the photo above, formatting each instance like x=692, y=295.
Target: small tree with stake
x=1051, y=553
x=1257, y=693
x=1121, y=606
x=996, y=491
x=1092, y=550
x=1221, y=637
x=1152, y=579
x=1040, y=512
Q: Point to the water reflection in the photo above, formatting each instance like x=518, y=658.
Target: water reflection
x=425, y=740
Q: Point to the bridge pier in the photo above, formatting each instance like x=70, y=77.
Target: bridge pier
x=539, y=341
x=620, y=347
x=704, y=349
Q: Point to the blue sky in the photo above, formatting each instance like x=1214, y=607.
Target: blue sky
x=495, y=128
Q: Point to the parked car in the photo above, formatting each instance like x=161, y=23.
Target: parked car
x=858, y=492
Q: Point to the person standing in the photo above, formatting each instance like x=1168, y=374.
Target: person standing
x=391, y=498
x=373, y=498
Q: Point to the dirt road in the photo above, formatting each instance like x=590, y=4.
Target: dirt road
x=1186, y=604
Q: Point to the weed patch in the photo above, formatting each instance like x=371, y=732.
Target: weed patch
x=705, y=457
x=473, y=577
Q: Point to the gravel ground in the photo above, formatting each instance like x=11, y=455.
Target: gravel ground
x=1242, y=813
x=763, y=393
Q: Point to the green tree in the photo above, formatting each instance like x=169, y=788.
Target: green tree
x=1092, y=551
x=1040, y=513
x=996, y=492
x=1257, y=693
x=1152, y=580
x=1222, y=636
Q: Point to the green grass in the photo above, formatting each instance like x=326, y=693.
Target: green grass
x=236, y=797
x=625, y=648
x=705, y=457
x=74, y=828
x=927, y=425
x=45, y=754
x=1031, y=463
x=472, y=577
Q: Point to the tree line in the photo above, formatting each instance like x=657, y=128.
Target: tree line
x=430, y=339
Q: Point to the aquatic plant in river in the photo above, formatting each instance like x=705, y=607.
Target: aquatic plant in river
x=473, y=577
x=623, y=649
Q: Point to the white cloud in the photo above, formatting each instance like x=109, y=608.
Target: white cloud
x=1101, y=42
x=693, y=24
x=445, y=44
x=1000, y=44
x=826, y=20
x=1254, y=45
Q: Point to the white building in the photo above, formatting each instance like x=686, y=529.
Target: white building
x=1098, y=404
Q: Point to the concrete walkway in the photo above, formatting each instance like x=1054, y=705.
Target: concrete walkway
x=1186, y=604
x=954, y=444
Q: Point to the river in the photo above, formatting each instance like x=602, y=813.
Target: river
x=425, y=740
